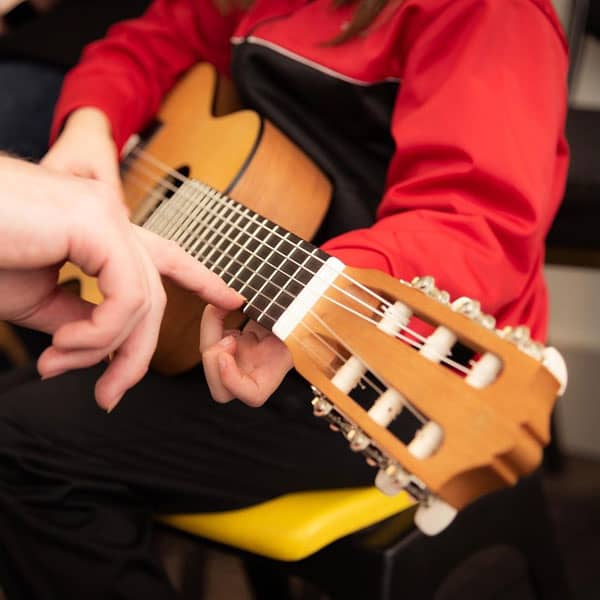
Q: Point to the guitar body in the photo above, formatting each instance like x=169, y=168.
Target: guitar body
x=236, y=152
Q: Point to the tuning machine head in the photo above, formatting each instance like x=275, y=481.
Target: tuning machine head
x=426, y=284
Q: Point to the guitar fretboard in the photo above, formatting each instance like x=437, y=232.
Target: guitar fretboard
x=265, y=263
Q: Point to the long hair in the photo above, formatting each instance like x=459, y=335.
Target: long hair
x=365, y=13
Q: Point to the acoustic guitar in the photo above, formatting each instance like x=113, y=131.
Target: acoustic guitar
x=448, y=416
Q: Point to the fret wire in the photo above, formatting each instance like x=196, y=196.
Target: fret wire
x=228, y=245
x=163, y=217
x=193, y=201
x=266, y=260
x=345, y=292
x=358, y=300
x=315, y=334
x=293, y=275
x=210, y=213
x=196, y=218
x=221, y=227
x=179, y=205
x=263, y=261
x=143, y=155
x=196, y=199
x=241, y=248
x=409, y=341
x=232, y=241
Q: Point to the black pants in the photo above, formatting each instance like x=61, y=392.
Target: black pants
x=79, y=487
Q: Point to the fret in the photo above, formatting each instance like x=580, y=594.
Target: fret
x=205, y=219
x=172, y=208
x=216, y=224
x=265, y=263
x=198, y=198
x=283, y=298
x=260, y=247
x=189, y=231
x=231, y=264
x=230, y=243
x=179, y=206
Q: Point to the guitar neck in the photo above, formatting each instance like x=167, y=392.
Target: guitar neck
x=267, y=264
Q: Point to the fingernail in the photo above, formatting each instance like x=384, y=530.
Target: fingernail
x=52, y=374
x=112, y=406
x=226, y=341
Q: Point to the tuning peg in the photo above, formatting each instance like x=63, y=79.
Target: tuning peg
x=426, y=284
x=472, y=309
x=434, y=515
x=321, y=406
x=392, y=479
x=467, y=306
x=555, y=363
x=521, y=337
x=358, y=440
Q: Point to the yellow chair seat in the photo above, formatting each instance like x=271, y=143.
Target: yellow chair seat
x=294, y=526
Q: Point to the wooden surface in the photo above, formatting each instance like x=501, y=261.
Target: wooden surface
x=492, y=435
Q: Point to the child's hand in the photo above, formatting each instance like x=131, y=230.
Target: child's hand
x=86, y=148
x=248, y=365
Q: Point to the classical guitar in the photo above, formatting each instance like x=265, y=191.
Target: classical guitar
x=447, y=415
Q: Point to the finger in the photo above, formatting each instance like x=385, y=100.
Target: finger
x=210, y=363
x=123, y=281
x=173, y=262
x=133, y=357
x=264, y=363
x=212, y=326
x=239, y=384
x=58, y=308
x=53, y=361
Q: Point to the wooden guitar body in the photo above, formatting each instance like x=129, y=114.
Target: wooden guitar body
x=237, y=152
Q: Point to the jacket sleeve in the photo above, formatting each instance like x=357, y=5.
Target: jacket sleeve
x=480, y=159
x=127, y=73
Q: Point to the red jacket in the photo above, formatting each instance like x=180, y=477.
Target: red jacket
x=441, y=125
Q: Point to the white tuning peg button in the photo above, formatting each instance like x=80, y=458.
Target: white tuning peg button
x=555, y=363
x=392, y=480
x=435, y=516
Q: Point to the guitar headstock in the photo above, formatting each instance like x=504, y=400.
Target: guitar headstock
x=445, y=405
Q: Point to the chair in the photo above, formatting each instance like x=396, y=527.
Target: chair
x=350, y=544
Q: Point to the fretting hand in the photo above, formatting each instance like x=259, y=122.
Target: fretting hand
x=248, y=364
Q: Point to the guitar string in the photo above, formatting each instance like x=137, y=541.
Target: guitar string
x=149, y=158
x=239, y=210
x=213, y=248
x=364, y=378
x=399, y=335
x=219, y=217
x=367, y=380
